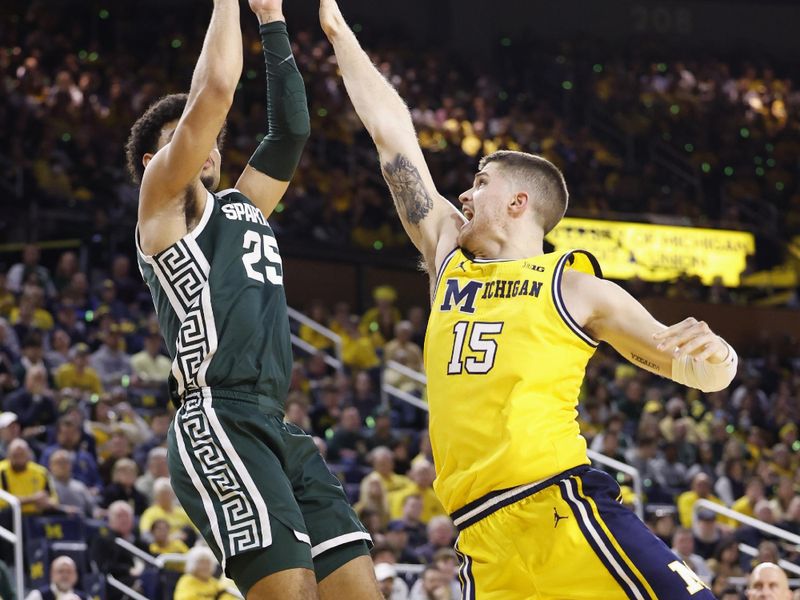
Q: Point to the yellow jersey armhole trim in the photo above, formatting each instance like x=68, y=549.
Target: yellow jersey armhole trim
x=442, y=269
x=558, y=300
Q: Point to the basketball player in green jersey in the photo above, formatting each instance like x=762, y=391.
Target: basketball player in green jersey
x=255, y=487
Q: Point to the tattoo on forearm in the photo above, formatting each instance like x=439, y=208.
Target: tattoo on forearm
x=408, y=191
x=644, y=362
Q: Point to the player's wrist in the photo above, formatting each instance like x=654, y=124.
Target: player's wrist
x=270, y=16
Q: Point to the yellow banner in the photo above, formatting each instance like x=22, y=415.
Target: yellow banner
x=657, y=252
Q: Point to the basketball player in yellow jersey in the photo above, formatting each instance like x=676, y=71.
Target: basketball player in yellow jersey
x=510, y=333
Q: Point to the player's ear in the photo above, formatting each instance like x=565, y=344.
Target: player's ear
x=518, y=204
x=146, y=159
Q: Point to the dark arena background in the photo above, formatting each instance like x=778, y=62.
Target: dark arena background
x=677, y=127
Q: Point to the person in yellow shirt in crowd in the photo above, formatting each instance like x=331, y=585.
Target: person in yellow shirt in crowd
x=30, y=311
x=77, y=374
x=379, y=321
x=754, y=492
x=166, y=507
x=199, y=583
x=382, y=460
x=358, y=350
x=422, y=475
x=404, y=351
x=163, y=544
x=317, y=312
x=700, y=489
x=26, y=480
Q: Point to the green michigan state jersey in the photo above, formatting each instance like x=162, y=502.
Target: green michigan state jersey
x=219, y=296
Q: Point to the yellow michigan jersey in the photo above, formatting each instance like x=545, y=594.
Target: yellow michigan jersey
x=505, y=362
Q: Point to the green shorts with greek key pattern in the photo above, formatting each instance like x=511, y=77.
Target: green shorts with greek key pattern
x=237, y=469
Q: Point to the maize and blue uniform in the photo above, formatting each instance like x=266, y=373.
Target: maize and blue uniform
x=505, y=362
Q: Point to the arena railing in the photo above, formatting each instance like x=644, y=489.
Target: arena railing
x=747, y=520
x=393, y=391
x=783, y=564
x=15, y=537
x=335, y=362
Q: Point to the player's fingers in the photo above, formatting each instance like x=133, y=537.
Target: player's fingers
x=697, y=344
x=682, y=336
x=715, y=346
x=673, y=329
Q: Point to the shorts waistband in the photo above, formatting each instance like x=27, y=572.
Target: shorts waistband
x=484, y=506
x=263, y=402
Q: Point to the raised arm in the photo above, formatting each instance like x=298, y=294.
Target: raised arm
x=214, y=83
x=687, y=352
x=429, y=219
x=272, y=165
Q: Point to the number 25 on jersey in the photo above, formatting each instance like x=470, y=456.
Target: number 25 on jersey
x=262, y=247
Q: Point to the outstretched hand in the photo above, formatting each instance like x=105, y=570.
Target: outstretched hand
x=330, y=17
x=694, y=338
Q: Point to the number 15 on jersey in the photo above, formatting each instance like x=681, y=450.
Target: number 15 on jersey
x=479, y=342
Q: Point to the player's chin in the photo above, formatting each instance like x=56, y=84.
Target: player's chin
x=210, y=181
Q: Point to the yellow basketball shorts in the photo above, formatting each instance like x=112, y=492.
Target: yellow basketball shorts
x=568, y=537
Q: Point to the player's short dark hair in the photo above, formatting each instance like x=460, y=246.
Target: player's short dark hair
x=543, y=178
x=145, y=132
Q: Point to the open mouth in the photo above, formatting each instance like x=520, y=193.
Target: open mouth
x=468, y=213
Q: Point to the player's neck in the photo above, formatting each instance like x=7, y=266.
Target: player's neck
x=511, y=248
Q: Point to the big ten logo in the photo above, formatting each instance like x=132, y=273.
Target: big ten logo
x=53, y=531
x=661, y=19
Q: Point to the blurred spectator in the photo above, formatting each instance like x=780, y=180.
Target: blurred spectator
x=446, y=561
x=297, y=407
x=122, y=487
x=29, y=270
x=73, y=495
x=380, y=320
x=683, y=547
x=156, y=468
x=397, y=540
x=33, y=404
x=198, y=580
x=358, y=348
x=768, y=582
x=432, y=585
x=404, y=351
x=386, y=576
x=373, y=497
x=32, y=354
x=348, y=442
x=726, y=560
x=63, y=579
x=10, y=430
x=69, y=437
x=110, y=361
x=317, y=312
x=707, y=533
x=441, y=534
x=26, y=480
x=382, y=460
x=701, y=489
x=731, y=485
x=754, y=492
x=165, y=506
x=364, y=397
x=421, y=475
x=411, y=522
x=116, y=448
x=58, y=354
x=164, y=544
x=325, y=415
x=382, y=434
x=150, y=367
x=112, y=559
x=77, y=374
